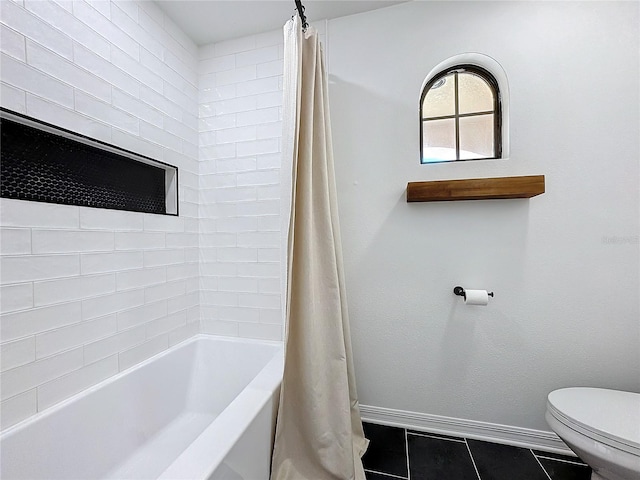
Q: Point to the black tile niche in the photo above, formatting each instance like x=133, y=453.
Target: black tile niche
x=43, y=163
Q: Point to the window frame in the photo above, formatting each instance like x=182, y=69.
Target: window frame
x=491, y=80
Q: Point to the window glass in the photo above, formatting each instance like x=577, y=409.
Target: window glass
x=460, y=116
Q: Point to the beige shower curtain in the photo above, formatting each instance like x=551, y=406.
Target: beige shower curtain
x=319, y=432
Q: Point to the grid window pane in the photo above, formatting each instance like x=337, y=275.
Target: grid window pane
x=475, y=94
x=439, y=140
x=440, y=99
x=477, y=137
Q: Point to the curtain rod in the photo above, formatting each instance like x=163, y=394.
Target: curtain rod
x=303, y=17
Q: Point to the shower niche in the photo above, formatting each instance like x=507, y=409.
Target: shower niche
x=41, y=162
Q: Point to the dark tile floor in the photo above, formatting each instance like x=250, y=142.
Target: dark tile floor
x=400, y=453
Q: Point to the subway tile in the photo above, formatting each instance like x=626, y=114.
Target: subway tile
x=155, y=258
x=143, y=314
x=179, y=129
x=17, y=353
x=16, y=297
x=102, y=6
x=258, y=117
x=268, y=255
x=269, y=192
x=114, y=344
x=272, y=316
x=269, y=285
x=260, y=331
x=26, y=377
x=232, y=105
x=219, y=299
x=63, y=20
x=124, y=14
x=269, y=223
x=106, y=28
x=236, y=165
x=180, y=272
x=164, y=291
x=18, y=408
x=111, y=303
x=259, y=239
x=258, y=55
x=183, y=64
x=76, y=288
x=28, y=78
x=237, y=284
x=183, y=333
x=237, y=75
x=216, y=123
x=270, y=69
x=233, y=254
x=126, y=6
x=126, y=102
x=154, y=64
x=239, y=314
x=267, y=100
x=219, y=327
x=270, y=130
x=75, y=382
x=105, y=70
x=262, y=301
x=265, y=177
x=136, y=144
x=38, y=267
x=12, y=43
x=228, y=47
x=163, y=223
x=237, y=224
x=142, y=352
x=65, y=338
x=261, y=270
x=257, y=87
x=269, y=161
x=217, y=64
x=105, y=112
x=67, y=241
x=13, y=98
x=264, y=207
x=31, y=26
x=36, y=320
x=133, y=67
x=62, y=69
x=258, y=147
x=69, y=119
x=159, y=136
x=165, y=324
x=136, y=241
x=233, y=135
x=266, y=39
x=105, y=219
x=181, y=240
x=15, y=241
x=110, y=262
x=140, y=278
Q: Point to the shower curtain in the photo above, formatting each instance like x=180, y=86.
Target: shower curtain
x=319, y=433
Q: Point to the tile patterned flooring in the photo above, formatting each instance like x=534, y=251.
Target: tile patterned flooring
x=397, y=453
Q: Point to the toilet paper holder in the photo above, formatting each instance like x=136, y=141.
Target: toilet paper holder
x=460, y=292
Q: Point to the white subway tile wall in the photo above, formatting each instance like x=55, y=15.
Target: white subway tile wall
x=86, y=293
x=240, y=127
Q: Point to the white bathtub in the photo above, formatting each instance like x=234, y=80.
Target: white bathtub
x=205, y=409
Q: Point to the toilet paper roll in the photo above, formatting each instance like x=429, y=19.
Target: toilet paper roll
x=476, y=297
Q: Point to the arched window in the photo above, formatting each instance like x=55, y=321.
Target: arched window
x=460, y=116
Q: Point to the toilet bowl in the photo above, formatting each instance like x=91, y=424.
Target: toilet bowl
x=601, y=426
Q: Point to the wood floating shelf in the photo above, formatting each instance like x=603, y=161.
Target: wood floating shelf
x=475, y=189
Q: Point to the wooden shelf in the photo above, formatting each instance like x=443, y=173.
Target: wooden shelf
x=475, y=189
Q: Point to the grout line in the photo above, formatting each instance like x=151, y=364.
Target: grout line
x=472, y=459
x=406, y=449
x=541, y=466
x=391, y=475
x=582, y=464
x=459, y=440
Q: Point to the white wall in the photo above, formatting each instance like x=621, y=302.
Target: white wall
x=566, y=307
x=240, y=111
x=88, y=292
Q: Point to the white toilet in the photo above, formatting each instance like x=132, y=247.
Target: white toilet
x=601, y=426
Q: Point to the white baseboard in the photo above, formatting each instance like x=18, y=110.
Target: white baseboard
x=458, y=427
